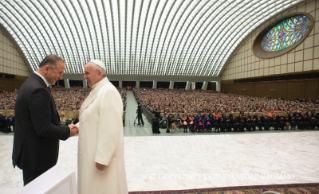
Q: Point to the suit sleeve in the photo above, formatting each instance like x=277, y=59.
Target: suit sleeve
x=110, y=128
x=40, y=111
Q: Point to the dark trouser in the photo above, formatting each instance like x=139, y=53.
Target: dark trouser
x=209, y=127
x=300, y=125
x=2, y=126
x=140, y=119
x=185, y=128
x=248, y=126
x=313, y=124
x=282, y=125
x=253, y=126
x=293, y=125
x=241, y=127
x=191, y=127
x=266, y=126
x=217, y=126
x=228, y=127
x=222, y=127
x=236, y=127
x=306, y=124
x=7, y=129
x=30, y=175
x=200, y=128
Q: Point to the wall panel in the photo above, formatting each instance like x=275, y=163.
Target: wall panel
x=289, y=90
x=10, y=60
x=11, y=84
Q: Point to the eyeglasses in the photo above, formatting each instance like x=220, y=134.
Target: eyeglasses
x=60, y=73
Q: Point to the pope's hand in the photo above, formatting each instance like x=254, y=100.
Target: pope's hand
x=100, y=167
x=74, y=130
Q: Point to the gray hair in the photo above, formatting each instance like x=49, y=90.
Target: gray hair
x=98, y=68
x=51, y=60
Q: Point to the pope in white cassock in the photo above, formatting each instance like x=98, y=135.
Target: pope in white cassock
x=101, y=167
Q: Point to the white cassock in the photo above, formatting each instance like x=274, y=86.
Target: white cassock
x=101, y=141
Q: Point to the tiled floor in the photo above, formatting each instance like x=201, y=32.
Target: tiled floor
x=185, y=161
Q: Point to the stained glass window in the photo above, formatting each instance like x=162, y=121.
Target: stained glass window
x=286, y=33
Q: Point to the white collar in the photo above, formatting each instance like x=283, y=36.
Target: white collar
x=99, y=84
x=42, y=77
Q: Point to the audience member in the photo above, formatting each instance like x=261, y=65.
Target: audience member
x=66, y=99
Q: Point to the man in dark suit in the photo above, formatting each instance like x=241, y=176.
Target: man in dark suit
x=37, y=130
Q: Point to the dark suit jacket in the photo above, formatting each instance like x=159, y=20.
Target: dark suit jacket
x=37, y=131
x=2, y=121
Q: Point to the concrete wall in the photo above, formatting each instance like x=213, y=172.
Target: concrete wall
x=11, y=61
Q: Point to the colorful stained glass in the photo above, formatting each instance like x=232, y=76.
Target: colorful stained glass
x=286, y=33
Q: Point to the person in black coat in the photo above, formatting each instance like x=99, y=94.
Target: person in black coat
x=248, y=123
x=267, y=122
x=37, y=130
x=259, y=122
x=216, y=124
x=155, y=124
x=287, y=121
x=242, y=121
x=313, y=121
x=292, y=121
x=76, y=120
x=282, y=122
x=254, y=121
x=2, y=122
x=10, y=122
x=139, y=114
x=223, y=123
x=228, y=122
x=235, y=123
x=306, y=120
x=299, y=121
x=275, y=121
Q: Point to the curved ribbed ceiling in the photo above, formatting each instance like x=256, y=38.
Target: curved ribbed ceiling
x=150, y=37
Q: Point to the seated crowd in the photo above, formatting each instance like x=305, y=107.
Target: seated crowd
x=66, y=99
x=7, y=100
x=204, y=110
x=228, y=122
x=69, y=99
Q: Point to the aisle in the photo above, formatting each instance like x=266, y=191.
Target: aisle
x=130, y=129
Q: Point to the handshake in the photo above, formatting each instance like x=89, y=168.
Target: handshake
x=74, y=130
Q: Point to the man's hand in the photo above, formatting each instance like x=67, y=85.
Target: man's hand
x=74, y=130
x=100, y=167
